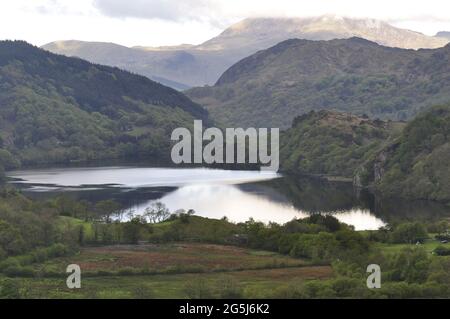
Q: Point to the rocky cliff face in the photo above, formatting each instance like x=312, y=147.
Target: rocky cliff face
x=415, y=164
x=372, y=172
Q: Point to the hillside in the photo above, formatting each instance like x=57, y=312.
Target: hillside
x=395, y=159
x=353, y=75
x=196, y=65
x=265, y=32
x=331, y=143
x=116, y=55
x=59, y=109
x=416, y=164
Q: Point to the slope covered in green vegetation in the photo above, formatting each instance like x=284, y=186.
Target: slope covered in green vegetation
x=416, y=165
x=59, y=109
x=194, y=257
x=356, y=76
x=397, y=159
x=332, y=143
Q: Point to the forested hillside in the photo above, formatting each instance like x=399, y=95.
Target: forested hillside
x=356, y=76
x=59, y=109
x=416, y=165
x=332, y=143
x=397, y=159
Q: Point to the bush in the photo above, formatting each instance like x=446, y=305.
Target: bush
x=19, y=272
x=198, y=289
x=38, y=255
x=126, y=271
x=442, y=251
x=409, y=233
x=9, y=289
x=229, y=288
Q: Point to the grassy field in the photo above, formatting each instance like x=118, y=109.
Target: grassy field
x=171, y=271
x=260, y=283
x=429, y=245
x=179, y=257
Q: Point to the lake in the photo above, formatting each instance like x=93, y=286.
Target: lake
x=215, y=193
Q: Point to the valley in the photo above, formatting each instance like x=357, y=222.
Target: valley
x=88, y=176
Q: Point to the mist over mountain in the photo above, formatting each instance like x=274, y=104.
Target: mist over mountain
x=197, y=65
x=60, y=109
x=353, y=75
x=443, y=34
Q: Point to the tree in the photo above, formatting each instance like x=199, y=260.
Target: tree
x=410, y=265
x=11, y=240
x=81, y=235
x=106, y=208
x=409, y=233
x=132, y=231
x=157, y=213
x=66, y=205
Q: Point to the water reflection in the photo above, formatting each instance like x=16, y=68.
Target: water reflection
x=217, y=201
x=238, y=195
x=132, y=177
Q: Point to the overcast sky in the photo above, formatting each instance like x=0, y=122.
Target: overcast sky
x=169, y=22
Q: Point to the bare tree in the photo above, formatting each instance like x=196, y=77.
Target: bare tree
x=157, y=212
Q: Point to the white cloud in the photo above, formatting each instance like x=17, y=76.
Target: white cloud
x=165, y=22
x=153, y=9
x=196, y=9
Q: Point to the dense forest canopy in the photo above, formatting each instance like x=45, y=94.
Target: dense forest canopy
x=59, y=109
x=397, y=159
x=332, y=143
x=416, y=165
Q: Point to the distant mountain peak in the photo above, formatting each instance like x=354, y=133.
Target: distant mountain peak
x=443, y=34
x=205, y=63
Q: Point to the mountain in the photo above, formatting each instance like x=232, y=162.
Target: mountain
x=59, y=109
x=114, y=55
x=353, y=75
x=414, y=165
x=260, y=33
x=395, y=159
x=198, y=65
x=443, y=34
x=333, y=143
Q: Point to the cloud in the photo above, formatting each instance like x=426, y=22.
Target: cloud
x=56, y=7
x=168, y=22
x=159, y=9
x=227, y=10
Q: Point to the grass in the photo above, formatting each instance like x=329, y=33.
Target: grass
x=429, y=245
x=66, y=223
x=263, y=282
x=170, y=258
x=117, y=271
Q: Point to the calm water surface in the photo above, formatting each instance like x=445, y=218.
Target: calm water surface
x=215, y=193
